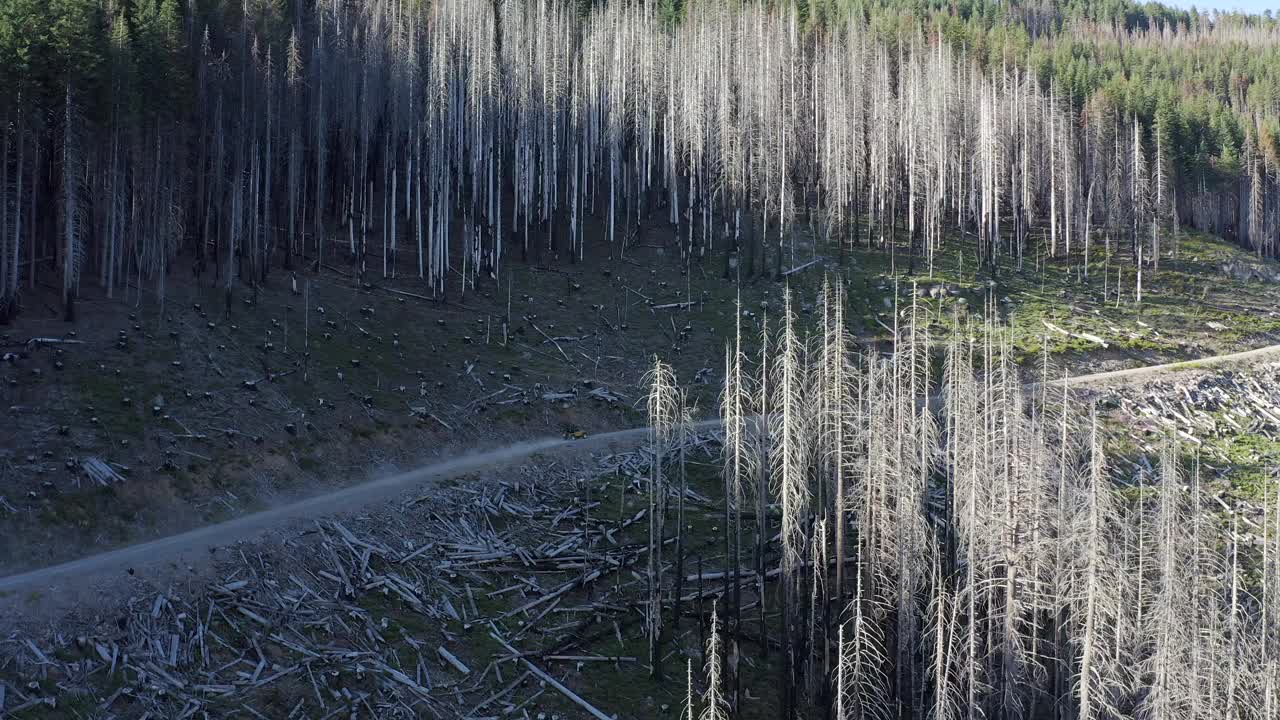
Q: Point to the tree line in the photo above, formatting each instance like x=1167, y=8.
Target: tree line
x=435, y=140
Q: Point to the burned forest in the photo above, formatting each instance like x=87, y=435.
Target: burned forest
x=631, y=359
x=437, y=140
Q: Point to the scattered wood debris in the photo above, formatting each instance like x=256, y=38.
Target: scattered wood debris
x=100, y=471
x=377, y=615
x=1083, y=336
x=1207, y=412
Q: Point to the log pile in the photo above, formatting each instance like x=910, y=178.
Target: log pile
x=1228, y=418
x=481, y=601
x=100, y=471
x=1200, y=408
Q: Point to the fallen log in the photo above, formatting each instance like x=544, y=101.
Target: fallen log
x=453, y=660
x=592, y=709
x=798, y=268
x=589, y=658
x=1083, y=336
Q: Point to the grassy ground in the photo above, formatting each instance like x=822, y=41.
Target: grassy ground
x=1190, y=307
x=307, y=386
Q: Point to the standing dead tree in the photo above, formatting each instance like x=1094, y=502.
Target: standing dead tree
x=466, y=130
x=664, y=421
x=997, y=567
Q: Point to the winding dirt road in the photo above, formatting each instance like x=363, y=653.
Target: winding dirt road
x=40, y=587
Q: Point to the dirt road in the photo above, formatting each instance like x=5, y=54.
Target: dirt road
x=158, y=561
x=192, y=548
x=1149, y=372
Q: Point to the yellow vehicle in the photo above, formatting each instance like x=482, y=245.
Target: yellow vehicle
x=575, y=435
